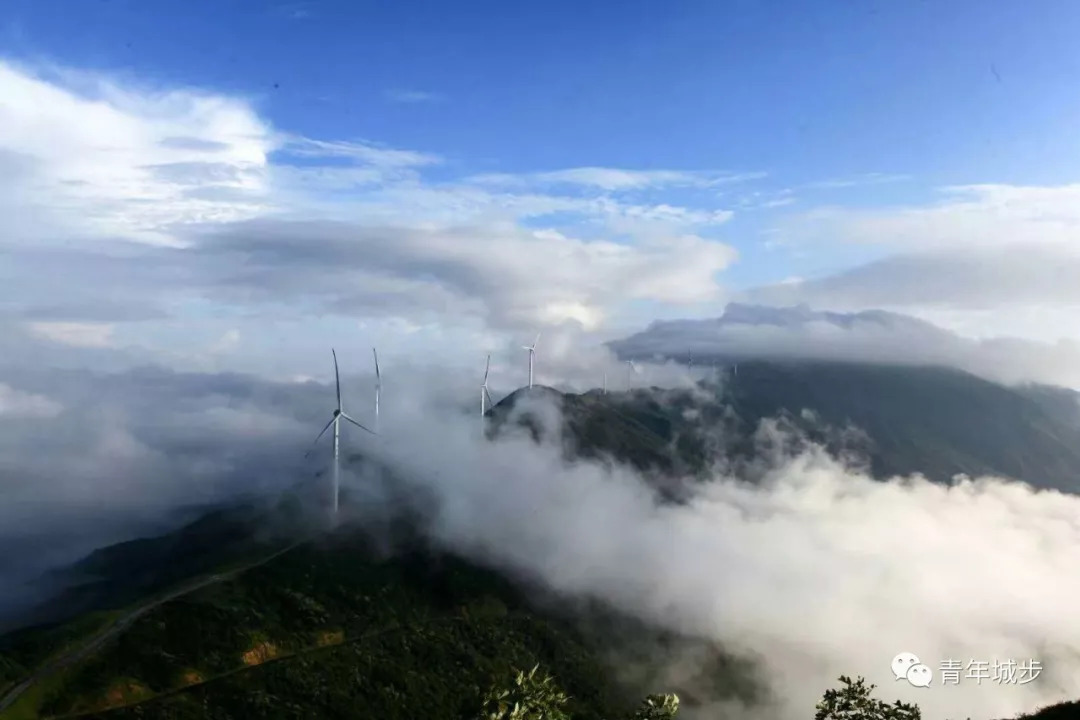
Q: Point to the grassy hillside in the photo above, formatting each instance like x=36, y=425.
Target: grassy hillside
x=336, y=628
x=125, y=572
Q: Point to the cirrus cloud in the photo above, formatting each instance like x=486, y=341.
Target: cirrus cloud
x=966, y=216
x=98, y=157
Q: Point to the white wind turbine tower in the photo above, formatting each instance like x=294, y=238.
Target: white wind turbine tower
x=378, y=388
x=335, y=420
x=532, y=354
x=485, y=396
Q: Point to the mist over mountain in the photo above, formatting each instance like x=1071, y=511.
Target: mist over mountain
x=661, y=534
x=760, y=331
x=688, y=526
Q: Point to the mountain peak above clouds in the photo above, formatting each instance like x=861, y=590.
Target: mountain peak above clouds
x=794, y=331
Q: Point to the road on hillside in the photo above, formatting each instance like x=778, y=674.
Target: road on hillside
x=121, y=624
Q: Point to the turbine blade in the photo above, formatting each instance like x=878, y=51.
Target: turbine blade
x=377, y=376
x=358, y=424
x=319, y=437
x=487, y=367
x=337, y=379
x=537, y=339
x=490, y=402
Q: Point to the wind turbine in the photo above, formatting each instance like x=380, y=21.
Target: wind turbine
x=485, y=396
x=632, y=370
x=378, y=388
x=604, y=390
x=335, y=420
x=532, y=354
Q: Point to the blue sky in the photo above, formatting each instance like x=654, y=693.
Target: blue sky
x=805, y=91
x=729, y=146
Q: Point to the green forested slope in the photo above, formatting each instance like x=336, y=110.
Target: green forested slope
x=336, y=627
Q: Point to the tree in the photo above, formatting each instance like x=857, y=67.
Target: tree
x=658, y=707
x=853, y=702
x=533, y=696
x=536, y=696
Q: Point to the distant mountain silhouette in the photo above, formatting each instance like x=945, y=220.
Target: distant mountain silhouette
x=902, y=419
x=726, y=336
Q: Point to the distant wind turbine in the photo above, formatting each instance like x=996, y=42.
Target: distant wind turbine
x=335, y=421
x=604, y=390
x=378, y=388
x=631, y=371
x=532, y=354
x=485, y=396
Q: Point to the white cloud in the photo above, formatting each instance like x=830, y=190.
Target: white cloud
x=778, y=202
x=95, y=164
x=17, y=404
x=616, y=178
x=196, y=169
x=817, y=571
x=294, y=10
x=84, y=335
x=228, y=342
x=968, y=216
x=1051, y=324
x=799, y=332
x=412, y=96
x=368, y=153
x=418, y=205
x=509, y=277
x=96, y=157
x=856, y=181
x=983, y=259
x=767, y=199
x=1029, y=290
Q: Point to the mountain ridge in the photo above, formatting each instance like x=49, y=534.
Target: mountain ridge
x=274, y=610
